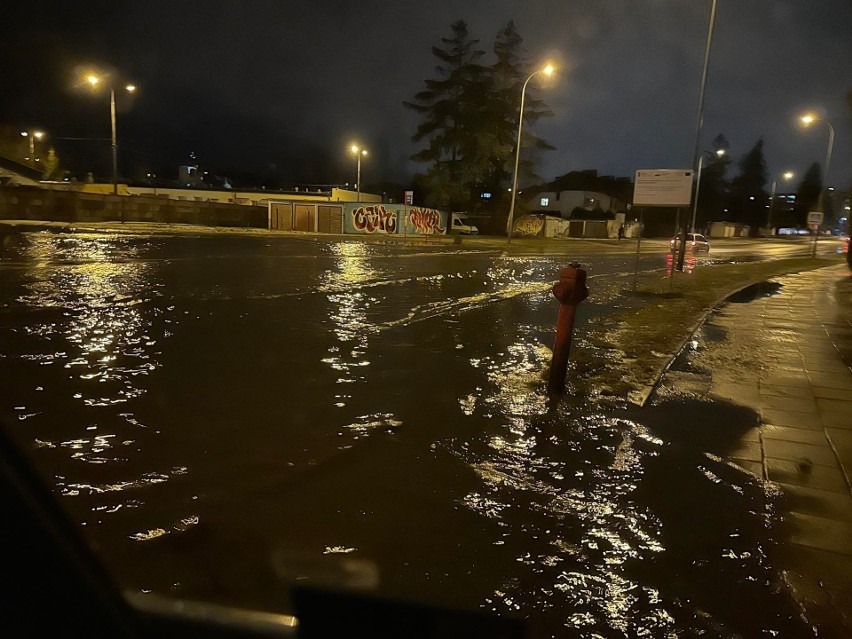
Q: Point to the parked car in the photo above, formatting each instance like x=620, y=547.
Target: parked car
x=461, y=225
x=695, y=242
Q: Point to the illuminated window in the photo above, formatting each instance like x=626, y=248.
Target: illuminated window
x=545, y=201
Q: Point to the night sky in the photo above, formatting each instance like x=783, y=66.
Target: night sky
x=284, y=87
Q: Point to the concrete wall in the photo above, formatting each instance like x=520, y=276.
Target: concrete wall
x=393, y=219
x=224, y=196
x=40, y=204
x=538, y=225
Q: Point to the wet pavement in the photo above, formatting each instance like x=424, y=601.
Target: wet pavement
x=783, y=350
x=227, y=416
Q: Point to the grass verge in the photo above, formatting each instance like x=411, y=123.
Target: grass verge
x=630, y=348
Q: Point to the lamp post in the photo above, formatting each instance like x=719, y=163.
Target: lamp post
x=94, y=81
x=359, y=153
x=33, y=136
x=787, y=176
x=807, y=120
x=718, y=153
x=547, y=70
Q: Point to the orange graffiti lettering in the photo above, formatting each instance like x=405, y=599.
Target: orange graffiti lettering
x=374, y=218
x=426, y=220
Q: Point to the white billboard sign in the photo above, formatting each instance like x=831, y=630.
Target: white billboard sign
x=815, y=218
x=662, y=187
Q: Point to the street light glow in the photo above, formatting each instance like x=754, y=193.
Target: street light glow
x=93, y=79
x=788, y=175
x=130, y=88
x=354, y=148
x=808, y=119
x=548, y=70
x=38, y=134
x=720, y=152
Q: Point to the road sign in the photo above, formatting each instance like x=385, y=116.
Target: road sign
x=409, y=198
x=662, y=187
x=815, y=218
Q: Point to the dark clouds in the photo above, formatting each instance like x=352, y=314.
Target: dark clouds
x=248, y=84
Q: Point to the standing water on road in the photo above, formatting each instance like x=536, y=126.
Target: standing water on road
x=226, y=416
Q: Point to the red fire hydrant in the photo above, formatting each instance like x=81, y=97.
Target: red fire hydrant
x=570, y=290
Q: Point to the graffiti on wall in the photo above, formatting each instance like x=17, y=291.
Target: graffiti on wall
x=373, y=219
x=529, y=225
x=426, y=221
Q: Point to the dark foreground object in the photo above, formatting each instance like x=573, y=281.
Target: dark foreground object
x=54, y=586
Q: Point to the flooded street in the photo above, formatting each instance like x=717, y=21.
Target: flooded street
x=228, y=416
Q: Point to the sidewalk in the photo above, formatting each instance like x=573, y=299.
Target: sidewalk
x=787, y=355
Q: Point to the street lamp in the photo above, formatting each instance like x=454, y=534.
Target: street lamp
x=359, y=153
x=786, y=176
x=807, y=120
x=95, y=81
x=718, y=153
x=547, y=70
x=33, y=136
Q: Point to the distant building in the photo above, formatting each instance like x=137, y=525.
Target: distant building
x=562, y=203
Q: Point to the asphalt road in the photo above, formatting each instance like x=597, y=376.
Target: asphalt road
x=229, y=413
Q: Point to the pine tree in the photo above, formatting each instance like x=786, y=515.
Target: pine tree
x=807, y=195
x=508, y=74
x=748, y=195
x=51, y=165
x=447, y=105
x=470, y=118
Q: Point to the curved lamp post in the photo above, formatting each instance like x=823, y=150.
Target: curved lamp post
x=94, y=81
x=359, y=153
x=807, y=120
x=547, y=70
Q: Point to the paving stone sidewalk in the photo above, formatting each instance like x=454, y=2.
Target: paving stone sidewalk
x=787, y=355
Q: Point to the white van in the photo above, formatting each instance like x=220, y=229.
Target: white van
x=460, y=224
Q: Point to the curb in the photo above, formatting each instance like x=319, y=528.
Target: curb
x=646, y=392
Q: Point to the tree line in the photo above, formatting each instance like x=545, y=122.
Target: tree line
x=744, y=198
x=469, y=120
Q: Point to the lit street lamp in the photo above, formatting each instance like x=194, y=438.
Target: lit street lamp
x=547, y=70
x=359, y=153
x=94, y=81
x=33, y=136
x=786, y=176
x=807, y=120
x=718, y=153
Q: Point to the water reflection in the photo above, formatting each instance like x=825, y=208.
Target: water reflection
x=348, y=316
x=569, y=488
x=689, y=264
x=90, y=304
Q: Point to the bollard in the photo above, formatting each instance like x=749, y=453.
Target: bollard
x=570, y=290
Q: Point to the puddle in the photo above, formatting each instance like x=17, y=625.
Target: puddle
x=755, y=291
